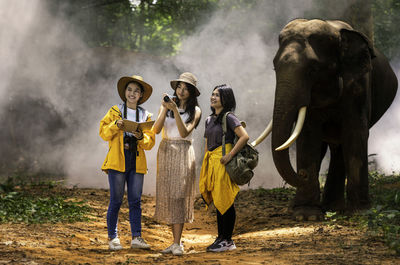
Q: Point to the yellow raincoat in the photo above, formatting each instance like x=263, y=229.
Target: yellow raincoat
x=215, y=183
x=110, y=132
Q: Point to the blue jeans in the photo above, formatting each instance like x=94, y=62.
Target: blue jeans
x=134, y=183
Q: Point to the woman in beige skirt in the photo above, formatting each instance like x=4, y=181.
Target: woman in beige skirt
x=178, y=117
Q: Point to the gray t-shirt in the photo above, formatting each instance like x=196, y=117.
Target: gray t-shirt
x=213, y=131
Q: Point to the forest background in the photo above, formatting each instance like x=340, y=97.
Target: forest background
x=158, y=27
x=62, y=60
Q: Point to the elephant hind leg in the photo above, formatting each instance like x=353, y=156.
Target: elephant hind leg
x=333, y=195
x=356, y=162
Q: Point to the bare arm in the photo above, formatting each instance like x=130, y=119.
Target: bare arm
x=183, y=128
x=159, y=123
x=243, y=138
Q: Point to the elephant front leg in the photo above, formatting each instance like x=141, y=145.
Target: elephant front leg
x=355, y=150
x=333, y=196
x=306, y=204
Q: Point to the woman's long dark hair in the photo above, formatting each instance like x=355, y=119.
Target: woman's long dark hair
x=228, y=101
x=190, y=104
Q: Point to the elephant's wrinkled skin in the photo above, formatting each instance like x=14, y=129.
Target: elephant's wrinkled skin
x=346, y=85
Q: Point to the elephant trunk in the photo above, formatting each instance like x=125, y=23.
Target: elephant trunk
x=287, y=105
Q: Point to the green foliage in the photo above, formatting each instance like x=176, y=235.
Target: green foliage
x=30, y=205
x=283, y=194
x=158, y=27
x=145, y=26
x=386, y=222
x=386, y=15
x=384, y=216
x=383, y=219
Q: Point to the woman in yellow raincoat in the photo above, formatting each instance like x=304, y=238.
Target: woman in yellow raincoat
x=125, y=161
x=215, y=183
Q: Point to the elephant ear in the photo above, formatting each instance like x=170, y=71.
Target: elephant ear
x=356, y=52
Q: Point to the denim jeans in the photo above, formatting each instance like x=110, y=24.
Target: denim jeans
x=134, y=183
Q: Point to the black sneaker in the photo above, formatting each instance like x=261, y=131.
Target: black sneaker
x=222, y=245
x=217, y=240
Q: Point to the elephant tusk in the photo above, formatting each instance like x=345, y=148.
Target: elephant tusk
x=263, y=135
x=299, y=125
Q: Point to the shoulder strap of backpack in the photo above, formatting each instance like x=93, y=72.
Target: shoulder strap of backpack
x=208, y=120
x=224, y=130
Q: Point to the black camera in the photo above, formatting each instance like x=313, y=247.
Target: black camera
x=127, y=140
x=130, y=143
x=166, y=99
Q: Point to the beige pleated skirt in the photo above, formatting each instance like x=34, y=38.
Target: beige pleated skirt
x=176, y=175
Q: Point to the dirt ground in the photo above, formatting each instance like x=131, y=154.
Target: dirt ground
x=264, y=234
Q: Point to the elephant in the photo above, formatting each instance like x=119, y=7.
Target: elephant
x=333, y=85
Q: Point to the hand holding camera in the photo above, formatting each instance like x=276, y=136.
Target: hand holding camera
x=167, y=98
x=169, y=102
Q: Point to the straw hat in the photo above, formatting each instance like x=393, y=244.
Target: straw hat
x=123, y=81
x=187, y=78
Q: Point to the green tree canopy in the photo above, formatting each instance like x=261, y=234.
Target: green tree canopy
x=157, y=26
x=143, y=25
x=386, y=15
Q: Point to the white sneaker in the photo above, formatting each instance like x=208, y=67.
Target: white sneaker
x=138, y=242
x=114, y=244
x=168, y=249
x=177, y=250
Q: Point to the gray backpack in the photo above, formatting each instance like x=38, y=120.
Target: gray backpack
x=240, y=168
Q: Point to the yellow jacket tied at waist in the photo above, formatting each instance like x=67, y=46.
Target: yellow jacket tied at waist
x=110, y=132
x=215, y=183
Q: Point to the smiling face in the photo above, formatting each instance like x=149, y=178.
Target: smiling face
x=133, y=93
x=182, y=91
x=215, y=100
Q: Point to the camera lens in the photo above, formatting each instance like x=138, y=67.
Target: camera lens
x=166, y=99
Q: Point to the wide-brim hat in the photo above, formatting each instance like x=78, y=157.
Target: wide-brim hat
x=187, y=78
x=123, y=81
